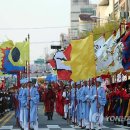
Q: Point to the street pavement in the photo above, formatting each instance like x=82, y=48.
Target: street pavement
x=8, y=122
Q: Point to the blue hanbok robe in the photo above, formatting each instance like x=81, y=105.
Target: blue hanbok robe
x=94, y=111
x=86, y=102
x=73, y=103
x=80, y=104
x=23, y=107
x=34, y=100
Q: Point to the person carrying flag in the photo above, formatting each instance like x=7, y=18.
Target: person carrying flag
x=33, y=100
x=98, y=101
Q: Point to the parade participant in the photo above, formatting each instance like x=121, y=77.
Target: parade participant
x=1, y=103
x=22, y=97
x=33, y=100
x=66, y=101
x=49, y=100
x=5, y=102
x=98, y=101
x=128, y=109
x=124, y=99
x=16, y=107
x=57, y=100
x=80, y=105
x=85, y=104
x=69, y=110
x=73, y=102
x=111, y=100
x=60, y=100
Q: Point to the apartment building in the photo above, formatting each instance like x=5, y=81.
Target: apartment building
x=108, y=10
x=79, y=7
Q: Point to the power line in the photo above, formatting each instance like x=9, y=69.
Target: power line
x=43, y=42
x=36, y=28
x=39, y=28
x=40, y=42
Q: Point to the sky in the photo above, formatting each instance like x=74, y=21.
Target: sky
x=22, y=14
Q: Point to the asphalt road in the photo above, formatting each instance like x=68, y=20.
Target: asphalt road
x=8, y=122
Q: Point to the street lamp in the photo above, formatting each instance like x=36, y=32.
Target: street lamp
x=99, y=23
x=95, y=17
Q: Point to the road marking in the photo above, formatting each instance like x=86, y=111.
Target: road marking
x=5, y=121
x=4, y=117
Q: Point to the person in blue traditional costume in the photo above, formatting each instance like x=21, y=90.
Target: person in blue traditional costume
x=33, y=100
x=73, y=101
x=22, y=97
x=85, y=95
x=79, y=104
x=98, y=101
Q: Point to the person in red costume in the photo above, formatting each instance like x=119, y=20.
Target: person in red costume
x=49, y=100
x=128, y=108
x=111, y=97
x=125, y=96
x=60, y=99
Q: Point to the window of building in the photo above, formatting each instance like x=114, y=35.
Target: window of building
x=116, y=6
x=75, y=12
x=75, y=1
x=74, y=20
x=86, y=1
x=88, y=11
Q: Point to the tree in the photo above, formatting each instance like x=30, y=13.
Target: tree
x=106, y=29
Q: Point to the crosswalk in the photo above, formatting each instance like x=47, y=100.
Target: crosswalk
x=68, y=127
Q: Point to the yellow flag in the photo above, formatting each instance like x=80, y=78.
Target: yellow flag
x=19, y=54
x=82, y=60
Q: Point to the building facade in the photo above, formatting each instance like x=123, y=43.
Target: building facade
x=105, y=11
x=79, y=7
x=108, y=10
x=86, y=24
x=64, y=40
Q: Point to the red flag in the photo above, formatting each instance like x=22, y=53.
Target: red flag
x=63, y=74
x=52, y=63
x=67, y=52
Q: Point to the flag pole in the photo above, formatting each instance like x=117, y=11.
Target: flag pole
x=88, y=83
x=75, y=103
x=18, y=79
x=28, y=75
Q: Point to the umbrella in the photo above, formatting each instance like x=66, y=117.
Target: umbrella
x=51, y=77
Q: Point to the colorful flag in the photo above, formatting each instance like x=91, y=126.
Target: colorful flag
x=19, y=54
x=5, y=45
x=105, y=58
x=8, y=67
x=52, y=63
x=63, y=74
x=126, y=51
x=98, y=44
x=67, y=52
x=63, y=71
x=82, y=60
x=59, y=58
x=117, y=57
